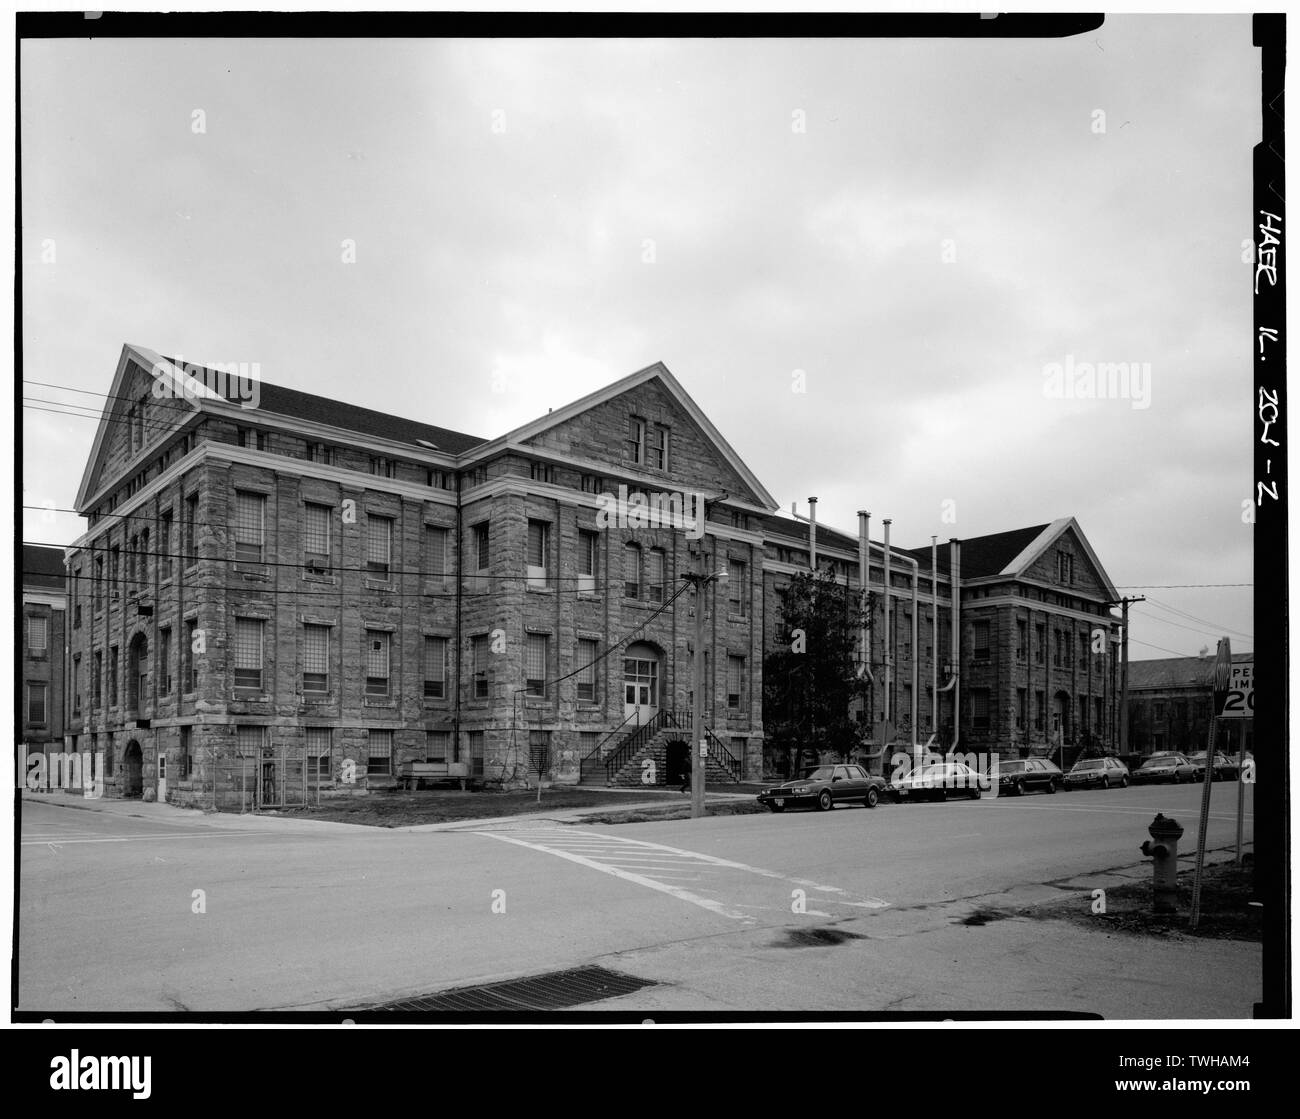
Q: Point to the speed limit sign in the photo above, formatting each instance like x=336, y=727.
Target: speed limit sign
x=1239, y=700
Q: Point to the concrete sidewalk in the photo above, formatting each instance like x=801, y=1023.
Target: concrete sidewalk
x=293, y=821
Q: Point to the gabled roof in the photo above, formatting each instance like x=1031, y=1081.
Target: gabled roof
x=783, y=527
x=982, y=556
x=1175, y=672
x=42, y=566
x=656, y=372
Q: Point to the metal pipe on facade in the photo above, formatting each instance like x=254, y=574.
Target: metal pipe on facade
x=864, y=580
x=934, y=639
x=955, y=576
x=889, y=633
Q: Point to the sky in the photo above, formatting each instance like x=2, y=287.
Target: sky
x=879, y=267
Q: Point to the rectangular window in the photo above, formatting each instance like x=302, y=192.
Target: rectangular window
x=476, y=753
x=592, y=483
x=36, y=702
x=115, y=571
x=379, y=761
x=379, y=545
x=588, y=651
x=248, y=652
x=979, y=710
x=655, y=577
x=1056, y=648
x=76, y=684
x=382, y=467
x=632, y=571
x=539, y=548
x=541, y=472
x=536, y=652
x=187, y=752
x=1022, y=639
x=316, y=532
x=636, y=439
x=189, y=672
x=482, y=554
x=98, y=589
x=659, y=450
x=37, y=634
x=479, y=661
x=191, y=541
x=1065, y=569
x=319, y=751
x=980, y=641
x=249, y=741
x=435, y=668
x=165, y=662
x=436, y=745
x=1097, y=714
x=112, y=676
x=1159, y=710
x=1040, y=644
x=166, y=540
x=315, y=658
x=539, y=751
x=320, y=452
x=586, y=561
x=735, y=681
x=737, y=582
x=1039, y=711
x=1022, y=708
x=378, y=643
x=250, y=526
x=435, y=552
x=96, y=684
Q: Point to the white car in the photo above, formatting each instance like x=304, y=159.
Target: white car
x=938, y=782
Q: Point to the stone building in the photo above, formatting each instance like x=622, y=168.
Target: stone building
x=42, y=698
x=284, y=593
x=1169, y=706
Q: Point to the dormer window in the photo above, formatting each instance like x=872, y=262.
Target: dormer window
x=659, y=448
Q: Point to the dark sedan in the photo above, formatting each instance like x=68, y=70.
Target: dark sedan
x=938, y=782
x=1022, y=775
x=1170, y=767
x=825, y=786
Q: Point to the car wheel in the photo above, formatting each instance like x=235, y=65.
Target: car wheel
x=825, y=802
x=1020, y=788
x=1051, y=786
x=975, y=792
x=872, y=798
x=942, y=794
x=1123, y=782
x=1105, y=782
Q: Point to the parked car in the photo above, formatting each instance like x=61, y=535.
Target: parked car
x=1225, y=769
x=1020, y=775
x=825, y=786
x=938, y=782
x=1164, y=767
x=1102, y=772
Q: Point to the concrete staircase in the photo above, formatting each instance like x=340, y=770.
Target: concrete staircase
x=647, y=763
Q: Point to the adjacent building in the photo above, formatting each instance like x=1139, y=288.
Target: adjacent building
x=279, y=593
x=42, y=670
x=1170, y=704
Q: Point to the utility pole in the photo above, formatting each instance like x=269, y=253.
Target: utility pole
x=699, y=749
x=1123, y=682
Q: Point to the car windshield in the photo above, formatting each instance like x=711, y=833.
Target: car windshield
x=1153, y=763
x=1011, y=767
x=1095, y=764
x=818, y=773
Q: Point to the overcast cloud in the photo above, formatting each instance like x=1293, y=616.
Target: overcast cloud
x=521, y=256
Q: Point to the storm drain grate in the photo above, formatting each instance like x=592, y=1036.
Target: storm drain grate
x=556, y=990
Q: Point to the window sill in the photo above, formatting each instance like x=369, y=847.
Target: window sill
x=737, y=617
x=378, y=701
x=322, y=577
x=373, y=583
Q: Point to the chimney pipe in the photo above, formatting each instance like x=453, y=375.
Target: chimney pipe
x=812, y=535
x=864, y=579
x=955, y=589
x=934, y=639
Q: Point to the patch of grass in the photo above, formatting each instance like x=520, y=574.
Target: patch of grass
x=440, y=806
x=1226, y=914
x=676, y=812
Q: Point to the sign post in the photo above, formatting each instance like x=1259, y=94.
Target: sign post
x=1222, y=679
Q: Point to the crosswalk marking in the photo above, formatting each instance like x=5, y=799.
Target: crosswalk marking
x=657, y=866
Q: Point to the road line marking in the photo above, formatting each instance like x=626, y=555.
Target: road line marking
x=1116, y=811
x=663, y=887
x=133, y=838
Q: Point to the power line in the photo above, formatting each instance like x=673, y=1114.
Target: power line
x=1159, y=604
x=1174, y=586
x=1162, y=648
x=1192, y=629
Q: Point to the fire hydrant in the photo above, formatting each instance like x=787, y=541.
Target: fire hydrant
x=1164, y=851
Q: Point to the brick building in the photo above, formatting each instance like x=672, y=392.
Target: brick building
x=1169, y=706
x=42, y=671
x=280, y=575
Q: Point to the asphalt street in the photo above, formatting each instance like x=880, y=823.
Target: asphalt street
x=174, y=911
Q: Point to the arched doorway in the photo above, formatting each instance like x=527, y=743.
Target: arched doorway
x=132, y=770
x=641, y=681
